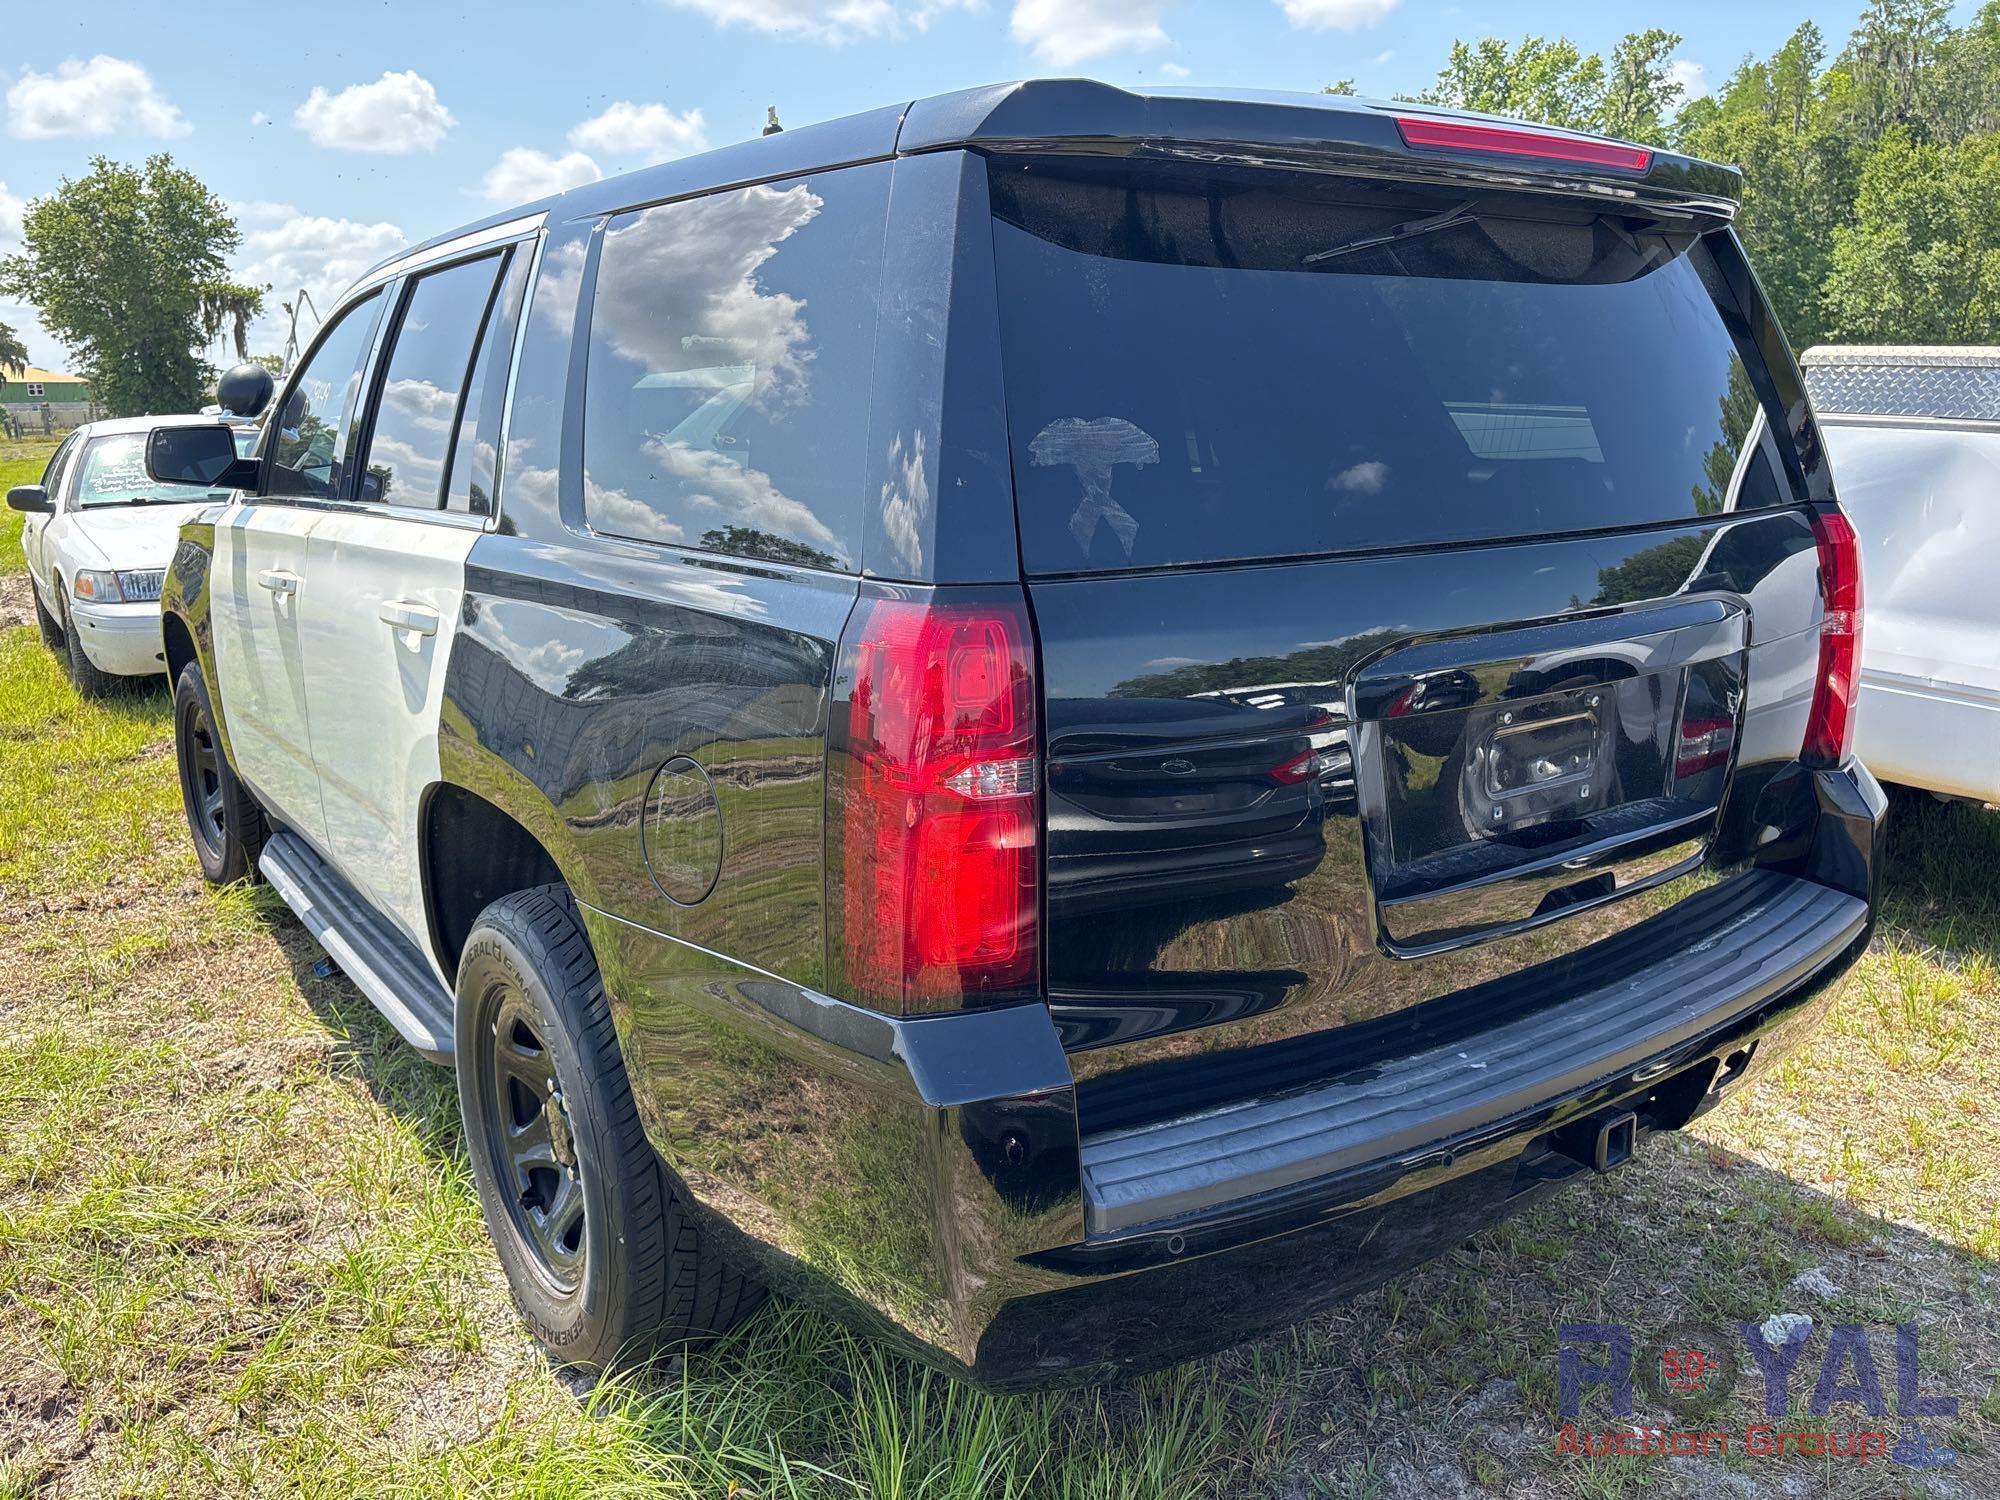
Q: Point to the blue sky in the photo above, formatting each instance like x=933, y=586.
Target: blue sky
x=343, y=129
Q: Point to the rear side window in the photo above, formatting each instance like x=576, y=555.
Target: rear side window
x=423, y=380
x=1235, y=373
x=475, y=447
x=311, y=444
x=731, y=346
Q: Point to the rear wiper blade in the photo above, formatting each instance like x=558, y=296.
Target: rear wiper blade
x=1409, y=229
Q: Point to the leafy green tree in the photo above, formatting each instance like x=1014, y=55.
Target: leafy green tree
x=1921, y=262
x=1556, y=84
x=1640, y=90
x=126, y=266
x=13, y=353
x=1537, y=79
x=1772, y=119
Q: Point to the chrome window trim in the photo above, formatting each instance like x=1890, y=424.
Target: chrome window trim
x=499, y=506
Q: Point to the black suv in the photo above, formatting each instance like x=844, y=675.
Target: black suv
x=1071, y=722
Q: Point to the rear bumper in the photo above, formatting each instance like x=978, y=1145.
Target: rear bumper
x=926, y=1180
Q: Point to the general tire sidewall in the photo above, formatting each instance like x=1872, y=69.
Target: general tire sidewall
x=231, y=860
x=584, y=1325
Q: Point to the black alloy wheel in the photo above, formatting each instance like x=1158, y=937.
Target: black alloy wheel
x=529, y=1134
x=201, y=778
x=224, y=820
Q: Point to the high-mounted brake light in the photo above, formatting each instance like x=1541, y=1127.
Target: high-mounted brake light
x=1830, y=723
x=1425, y=133
x=939, y=802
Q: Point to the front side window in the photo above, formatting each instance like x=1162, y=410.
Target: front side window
x=52, y=476
x=35, y=388
x=311, y=444
x=416, y=409
x=731, y=352
x=112, y=471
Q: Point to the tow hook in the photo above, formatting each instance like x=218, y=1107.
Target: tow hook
x=1600, y=1141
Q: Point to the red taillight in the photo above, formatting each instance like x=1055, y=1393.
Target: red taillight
x=940, y=803
x=1424, y=132
x=1830, y=724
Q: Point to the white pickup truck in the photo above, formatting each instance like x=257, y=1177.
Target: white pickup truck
x=1914, y=436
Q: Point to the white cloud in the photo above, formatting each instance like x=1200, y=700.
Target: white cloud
x=104, y=96
x=42, y=349
x=832, y=21
x=260, y=118
x=1691, y=76
x=13, y=208
x=1339, y=15
x=1175, y=70
x=1386, y=55
x=626, y=129
x=1065, y=32
x=396, y=114
x=303, y=250
x=524, y=173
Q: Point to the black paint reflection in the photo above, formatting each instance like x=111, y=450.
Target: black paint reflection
x=731, y=350
x=1201, y=902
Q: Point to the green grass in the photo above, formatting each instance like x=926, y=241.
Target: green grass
x=20, y=463
x=240, y=1252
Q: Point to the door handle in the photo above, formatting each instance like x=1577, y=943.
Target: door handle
x=407, y=616
x=278, y=581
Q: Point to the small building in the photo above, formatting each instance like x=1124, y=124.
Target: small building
x=33, y=385
x=44, y=401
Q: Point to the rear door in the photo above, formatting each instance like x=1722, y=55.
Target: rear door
x=262, y=578
x=388, y=569
x=1404, y=598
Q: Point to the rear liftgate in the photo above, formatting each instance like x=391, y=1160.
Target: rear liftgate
x=1509, y=779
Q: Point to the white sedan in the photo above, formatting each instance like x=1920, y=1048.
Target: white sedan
x=99, y=536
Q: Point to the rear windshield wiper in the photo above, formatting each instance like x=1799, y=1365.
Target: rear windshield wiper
x=1409, y=229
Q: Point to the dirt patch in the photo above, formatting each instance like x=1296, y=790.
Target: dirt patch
x=17, y=606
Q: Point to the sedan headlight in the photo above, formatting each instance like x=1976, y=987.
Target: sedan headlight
x=97, y=588
x=140, y=586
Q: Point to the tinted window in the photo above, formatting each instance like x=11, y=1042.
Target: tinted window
x=731, y=344
x=416, y=409
x=311, y=445
x=475, y=448
x=1193, y=377
x=113, y=472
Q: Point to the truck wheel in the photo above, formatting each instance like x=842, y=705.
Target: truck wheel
x=52, y=634
x=601, y=1255
x=84, y=674
x=224, y=819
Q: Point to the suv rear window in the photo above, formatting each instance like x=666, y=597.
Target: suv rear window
x=1205, y=373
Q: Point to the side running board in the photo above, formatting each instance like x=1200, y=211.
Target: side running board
x=382, y=963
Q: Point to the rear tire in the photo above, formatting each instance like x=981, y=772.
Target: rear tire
x=52, y=633
x=601, y=1255
x=224, y=820
x=84, y=674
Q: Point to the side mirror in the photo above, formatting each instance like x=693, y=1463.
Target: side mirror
x=201, y=457
x=31, y=498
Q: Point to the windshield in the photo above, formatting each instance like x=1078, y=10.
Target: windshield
x=1207, y=374
x=113, y=472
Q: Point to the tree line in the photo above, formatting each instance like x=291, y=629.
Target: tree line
x=1871, y=204
x=1871, y=200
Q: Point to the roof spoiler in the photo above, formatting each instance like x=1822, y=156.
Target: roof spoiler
x=1312, y=133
